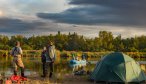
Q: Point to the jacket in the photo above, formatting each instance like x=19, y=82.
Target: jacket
x=51, y=54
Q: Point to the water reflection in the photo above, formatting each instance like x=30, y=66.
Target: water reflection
x=33, y=66
x=77, y=67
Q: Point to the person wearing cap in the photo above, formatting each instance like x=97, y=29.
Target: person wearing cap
x=17, y=61
x=50, y=58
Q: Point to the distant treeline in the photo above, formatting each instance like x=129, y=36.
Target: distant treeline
x=105, y=41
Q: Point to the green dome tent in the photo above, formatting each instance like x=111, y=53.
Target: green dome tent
x=118, y=67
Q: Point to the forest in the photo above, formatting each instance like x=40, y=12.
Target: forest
x=104, y=41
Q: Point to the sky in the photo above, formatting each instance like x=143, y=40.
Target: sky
x=86, y=17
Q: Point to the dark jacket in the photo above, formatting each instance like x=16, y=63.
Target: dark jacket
x=43, y=57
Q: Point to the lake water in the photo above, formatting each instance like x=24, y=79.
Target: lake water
x=33, y=66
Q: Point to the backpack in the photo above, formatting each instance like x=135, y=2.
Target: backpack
x=43, y=56
x=15, y=50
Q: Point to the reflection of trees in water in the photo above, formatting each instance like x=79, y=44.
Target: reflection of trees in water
x=34, y=64
x=4, y=64
x=60, y=65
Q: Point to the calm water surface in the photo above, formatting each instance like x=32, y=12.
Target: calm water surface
x=33, y=66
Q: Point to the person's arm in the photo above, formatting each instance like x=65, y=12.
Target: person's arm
x=20, y=51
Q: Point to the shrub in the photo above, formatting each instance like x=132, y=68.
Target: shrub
x=3, y=53
x=26, y=47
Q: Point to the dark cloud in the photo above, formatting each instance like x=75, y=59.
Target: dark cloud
x=84, y=15
x=79, y=2
x=10, y=25
x=111, y=3
x=102, y=12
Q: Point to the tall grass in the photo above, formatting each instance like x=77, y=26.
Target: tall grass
x=37, y=53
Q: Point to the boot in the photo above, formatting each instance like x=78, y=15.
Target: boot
x=15, y=72
x=50, y=76
x=22, y=73
x=44, y=74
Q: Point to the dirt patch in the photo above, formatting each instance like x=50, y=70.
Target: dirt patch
x=66, y=79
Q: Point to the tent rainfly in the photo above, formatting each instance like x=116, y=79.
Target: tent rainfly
x=117, y=67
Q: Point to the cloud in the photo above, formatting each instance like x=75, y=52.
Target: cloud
x=37, y=27
x=111, y=3
x=73, y=16
x=102, y=12
x=30, y=7
x=11, y=25
x=89, y=16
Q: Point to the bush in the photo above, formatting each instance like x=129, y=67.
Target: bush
x=6, y=47
x=1, y=46
x=133, y=49
x=26, y=47
x=32, y=52
x=63, y=54
x=3, y=53
x=143, y=50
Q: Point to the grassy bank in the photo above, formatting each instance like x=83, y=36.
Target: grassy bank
x=37, y=53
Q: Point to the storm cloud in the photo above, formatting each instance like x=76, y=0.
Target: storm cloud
x=102, y=12
x=14, y=26
x=37, y=27
x=86, y=17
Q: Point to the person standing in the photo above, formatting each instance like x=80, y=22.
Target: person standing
x=17, y=61
x=43, y=59
x=83, y=56
x=50, y=58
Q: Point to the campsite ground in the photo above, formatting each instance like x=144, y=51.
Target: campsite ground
x=66, y=79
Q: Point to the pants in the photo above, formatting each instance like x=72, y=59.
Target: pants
x=47, y=65
x=17, y=62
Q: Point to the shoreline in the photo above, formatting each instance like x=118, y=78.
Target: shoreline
x=66, y=79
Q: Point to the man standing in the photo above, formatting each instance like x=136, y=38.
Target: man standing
x=17, y=61
x=50, y=58
x=43, y=59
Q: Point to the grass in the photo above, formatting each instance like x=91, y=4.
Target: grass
x=64, y=53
